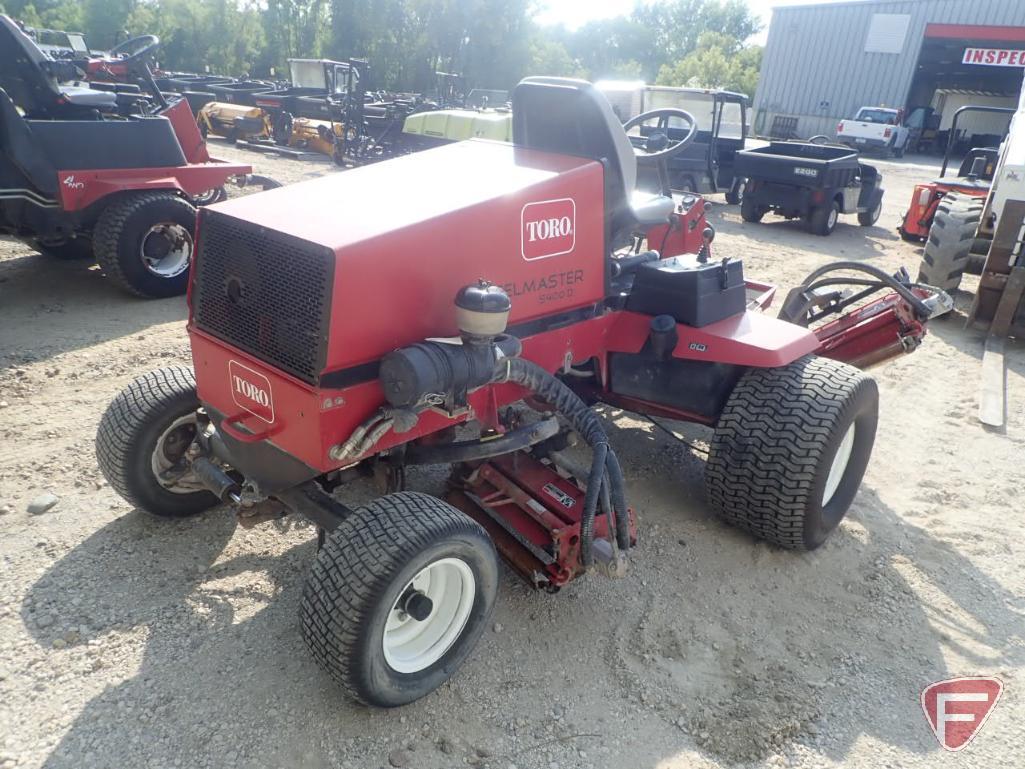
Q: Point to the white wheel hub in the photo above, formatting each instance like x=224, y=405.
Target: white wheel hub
x=831, y=220
x=168, y=458
x=839, y=467
x=410, y=644
x=166, y=249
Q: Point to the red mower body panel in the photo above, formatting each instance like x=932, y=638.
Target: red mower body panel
x=370, y=261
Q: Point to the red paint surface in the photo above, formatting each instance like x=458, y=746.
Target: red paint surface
x=975, y=32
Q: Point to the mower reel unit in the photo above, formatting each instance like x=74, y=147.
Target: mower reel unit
x=111, y=175
x=474, y=321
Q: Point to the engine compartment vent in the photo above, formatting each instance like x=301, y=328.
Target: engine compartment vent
x=264, y=292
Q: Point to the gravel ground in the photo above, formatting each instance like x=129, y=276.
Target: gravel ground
x=132, y=642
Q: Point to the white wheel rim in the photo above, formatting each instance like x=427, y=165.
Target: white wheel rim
x=163, y=466
x=831, y=221
x=166, y=249
x=839, y=467
x=412, y=645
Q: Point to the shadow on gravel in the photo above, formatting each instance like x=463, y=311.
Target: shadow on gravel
x=53, y=306
x=736, y=649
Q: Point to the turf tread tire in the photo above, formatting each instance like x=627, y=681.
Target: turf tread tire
x=765, y=466
x=818, y=219
x=949, y=242
x=109, y=248
x=132, y=420
x=355, y=570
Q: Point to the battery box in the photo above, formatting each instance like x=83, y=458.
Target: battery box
x=695, y=293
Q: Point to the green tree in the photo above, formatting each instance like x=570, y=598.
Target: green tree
x=718, y=61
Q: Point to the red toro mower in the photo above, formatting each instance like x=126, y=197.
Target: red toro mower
x=468, y=305
x=114, y=175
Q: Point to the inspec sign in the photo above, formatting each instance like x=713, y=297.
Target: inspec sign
x=994, y=57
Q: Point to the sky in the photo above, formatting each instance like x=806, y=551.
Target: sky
x=573, y=13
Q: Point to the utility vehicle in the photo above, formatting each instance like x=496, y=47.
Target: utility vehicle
x=808, y=181
x=466, y=305
x=114, y=175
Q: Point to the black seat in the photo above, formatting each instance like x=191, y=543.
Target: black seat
x=571, y=117
x=27, y=75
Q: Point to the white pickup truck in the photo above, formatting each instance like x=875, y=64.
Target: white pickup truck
x=877, y=128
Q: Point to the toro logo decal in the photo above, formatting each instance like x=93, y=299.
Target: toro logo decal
x=548, y=228
x=251, y=391
x=957, y=708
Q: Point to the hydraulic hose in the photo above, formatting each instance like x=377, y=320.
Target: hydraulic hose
x=586, y=423
x=921, y=308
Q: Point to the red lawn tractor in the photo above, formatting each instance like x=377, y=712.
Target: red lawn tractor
x=114, y=175
x=467, y=306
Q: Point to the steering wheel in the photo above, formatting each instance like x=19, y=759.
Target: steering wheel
x=655, y=154
x=135, y=50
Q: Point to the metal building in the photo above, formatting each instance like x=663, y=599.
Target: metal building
x=823, y=62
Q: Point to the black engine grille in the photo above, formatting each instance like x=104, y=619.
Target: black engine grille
x=264, y=292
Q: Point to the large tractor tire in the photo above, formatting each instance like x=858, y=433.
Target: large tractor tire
x=949, y=244
x=144, y=243
x=142, y=441
x=790, y=450
x=398, y=596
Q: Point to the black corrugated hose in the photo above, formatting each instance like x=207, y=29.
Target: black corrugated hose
x=605, y=466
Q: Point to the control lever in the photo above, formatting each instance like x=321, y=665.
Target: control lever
x=625, y=264
x=705, y=252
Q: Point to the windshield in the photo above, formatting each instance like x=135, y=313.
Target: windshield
x=870, y=115
x=700, y=105
x=77, y=43
x=307, y=74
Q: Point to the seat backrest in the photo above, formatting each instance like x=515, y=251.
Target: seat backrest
x=23, y=72
x=571, y=117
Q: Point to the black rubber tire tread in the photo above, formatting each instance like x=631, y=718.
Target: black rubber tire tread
x=749, y=211
x=818, y=220
x=868, y=218
x=112, y=253
x=765, y=471
x=352, y=575
x=127, y=436
x=949, y=243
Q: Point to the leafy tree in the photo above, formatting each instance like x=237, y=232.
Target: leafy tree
x=718, y=61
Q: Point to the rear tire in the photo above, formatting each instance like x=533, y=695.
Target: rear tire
x=949, y=244
x=750, y=211
x=823, y=219
x=350, y=615
x=147, y=425
x=144, y=243
x=790, y=449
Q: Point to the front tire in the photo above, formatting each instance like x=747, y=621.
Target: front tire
x=144, y=243
x=868, y=218
x=750, y=211
x=400, y=548
x=142, y=441
x=790, y=450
